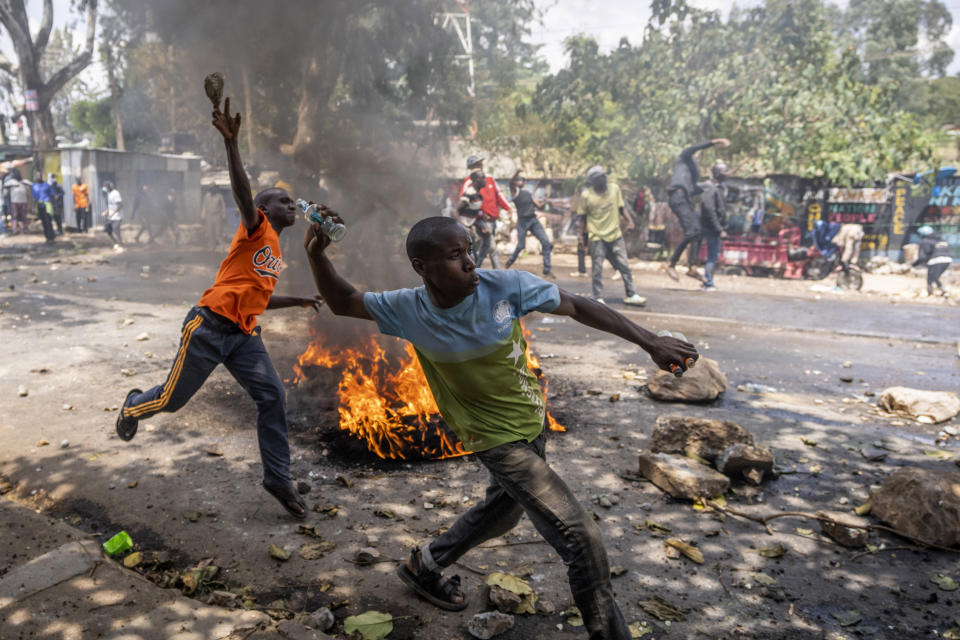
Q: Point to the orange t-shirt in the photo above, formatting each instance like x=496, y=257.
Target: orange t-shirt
x=81, y=196
x=247, y=276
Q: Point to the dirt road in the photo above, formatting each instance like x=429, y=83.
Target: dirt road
x=82, y=324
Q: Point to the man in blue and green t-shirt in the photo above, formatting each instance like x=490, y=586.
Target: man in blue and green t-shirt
x=464, y=324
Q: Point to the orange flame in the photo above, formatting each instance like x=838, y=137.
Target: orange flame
x=386, y=402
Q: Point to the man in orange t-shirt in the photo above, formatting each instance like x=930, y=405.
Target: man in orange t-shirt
x=222, y=327
x=81, y=205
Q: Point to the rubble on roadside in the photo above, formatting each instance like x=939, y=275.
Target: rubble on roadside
x=703, y=383
x=921, y=503
x=722, y=443
x=927, y=407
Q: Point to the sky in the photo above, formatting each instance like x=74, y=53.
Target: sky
x=607, y=22
x=618, y=18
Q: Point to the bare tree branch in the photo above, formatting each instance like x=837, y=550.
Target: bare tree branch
x=7, y=65
x=46, y=25
x=78, y=64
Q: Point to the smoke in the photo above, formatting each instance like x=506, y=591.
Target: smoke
x=334, y=93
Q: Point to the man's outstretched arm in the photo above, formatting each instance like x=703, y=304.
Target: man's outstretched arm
x=229, y=128
x=342, y=297
x=664, y=351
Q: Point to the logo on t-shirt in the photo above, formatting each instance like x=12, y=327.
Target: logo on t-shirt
x=502, y=316
x=266, y=264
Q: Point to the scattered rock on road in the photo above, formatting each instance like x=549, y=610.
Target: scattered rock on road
x=682, y=477
x=739, y=460
x=834, y=526
x=703, y=383
x=489, y=624
x=705, y=437
x=321, y=619
x=921, y=503
x=929, y=407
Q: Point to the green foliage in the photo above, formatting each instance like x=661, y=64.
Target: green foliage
x=94, y=116
x=771, y=78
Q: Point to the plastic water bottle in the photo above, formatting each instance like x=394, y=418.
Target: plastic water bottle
x=675, y=369
x=330, y=227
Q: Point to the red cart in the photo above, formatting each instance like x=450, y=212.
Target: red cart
x=758, y=255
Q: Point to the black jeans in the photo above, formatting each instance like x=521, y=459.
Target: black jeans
x=934, y=271
x=682, y=207
x=487, y=245
x=521, y=482
x=45, y=221
x=531, y=225
x=83, y=218
x=206, y=342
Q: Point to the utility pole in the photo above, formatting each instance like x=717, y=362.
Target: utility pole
x=461, y=25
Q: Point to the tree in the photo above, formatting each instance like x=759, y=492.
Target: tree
x=29, y=51
x=772, y=78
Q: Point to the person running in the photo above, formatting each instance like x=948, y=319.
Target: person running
x=602, y=212
x=713, y=218
x=43, y=197
x=222, y=327
x=114, y=214
x=492, y=202
x=464, y=324
x=935, y=253
x=527, y=222
x=81, y=204
x=683, y=187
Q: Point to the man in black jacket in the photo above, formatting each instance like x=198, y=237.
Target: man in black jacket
x=935, y=253
x=683, y=187
x=713, y=217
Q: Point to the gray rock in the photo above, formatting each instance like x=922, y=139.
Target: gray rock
x=503, y=600
x=706, y=437
x=321, y=619
x=852, y=537
x=739, y=460
x=921, y=503
x=703, y=383
x=929, y=407
x=682, y=477
x=489, y=624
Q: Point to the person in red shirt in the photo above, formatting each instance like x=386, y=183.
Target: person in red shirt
x=486, y=221
x=222, y=327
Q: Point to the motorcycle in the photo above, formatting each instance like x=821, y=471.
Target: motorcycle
x=824, y=259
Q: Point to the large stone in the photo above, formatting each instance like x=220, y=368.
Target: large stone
x=921, y=503
x=489, y=624
x=745, y=461
x=702, y=383
x=930, y=407
x=682, y=477
x=706, y=437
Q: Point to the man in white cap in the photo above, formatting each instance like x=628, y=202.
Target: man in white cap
x=601, y=214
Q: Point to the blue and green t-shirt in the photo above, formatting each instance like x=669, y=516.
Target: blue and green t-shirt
x=474, y=354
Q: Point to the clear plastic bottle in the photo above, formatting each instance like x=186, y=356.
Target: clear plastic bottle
x=330, y=227
x=676, y=369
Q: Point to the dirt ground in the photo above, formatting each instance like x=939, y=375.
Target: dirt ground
x=82, y=324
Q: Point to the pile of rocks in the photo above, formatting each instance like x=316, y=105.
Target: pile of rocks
x=682, y=450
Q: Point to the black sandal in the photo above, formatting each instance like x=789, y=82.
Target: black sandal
x=287, y=496
x=431, y=586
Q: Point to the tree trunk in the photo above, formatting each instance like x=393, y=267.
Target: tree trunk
x=13, y=16
x=114, y=95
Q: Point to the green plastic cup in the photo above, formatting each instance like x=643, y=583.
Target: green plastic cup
x=118, y=544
